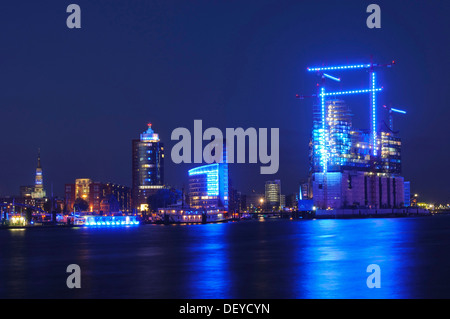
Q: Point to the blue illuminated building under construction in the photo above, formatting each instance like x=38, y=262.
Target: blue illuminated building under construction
x=350, y=167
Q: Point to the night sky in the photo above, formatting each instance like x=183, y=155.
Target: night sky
x=82, y=95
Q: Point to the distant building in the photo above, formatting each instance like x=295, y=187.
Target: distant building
x=69, y=197
x=282, y=201
x=292, y=201
x=121, y=193
x=26, y=191
x=26, y=195
x=147, y=167
x=82, y=188
x=305, y=191
x=254, y=201
x=109, y=205
x=273, y=195
x=407, y=194
x=236, y=201
x=94, y=193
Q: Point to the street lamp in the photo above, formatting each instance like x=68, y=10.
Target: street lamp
x=261, y=202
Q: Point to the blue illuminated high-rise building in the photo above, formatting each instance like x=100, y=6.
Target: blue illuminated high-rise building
x=208, y=185
x=148, y=167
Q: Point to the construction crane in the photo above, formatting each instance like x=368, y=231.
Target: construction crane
x=322, y=76
x=391, y=111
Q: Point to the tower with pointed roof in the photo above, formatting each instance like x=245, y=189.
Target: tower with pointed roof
x=39, y=191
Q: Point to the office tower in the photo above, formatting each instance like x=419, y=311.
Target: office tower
x=208, y=186
x=147, y=167
x=273, y=195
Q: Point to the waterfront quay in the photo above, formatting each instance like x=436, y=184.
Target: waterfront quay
x=170, y=216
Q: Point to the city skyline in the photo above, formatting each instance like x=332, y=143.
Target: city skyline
x=84, y=123
x=224, y=158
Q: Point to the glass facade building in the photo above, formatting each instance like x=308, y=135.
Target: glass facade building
x=208, y=186
x=356, y=175
x=273, y=195
x=148, y=167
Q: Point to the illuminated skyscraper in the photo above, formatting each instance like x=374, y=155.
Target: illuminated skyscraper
x=39, y=191
x=148, y=167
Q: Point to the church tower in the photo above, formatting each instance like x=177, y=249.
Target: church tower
x=39, y=191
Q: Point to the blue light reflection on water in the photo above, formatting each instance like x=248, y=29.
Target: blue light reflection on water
x=335, y=260
x=270, y=259
x=208, y=265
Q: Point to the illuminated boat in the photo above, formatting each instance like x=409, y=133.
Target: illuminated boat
x=177, y=216
x=110, y=221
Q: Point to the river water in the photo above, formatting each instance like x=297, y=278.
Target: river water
x=249, y=259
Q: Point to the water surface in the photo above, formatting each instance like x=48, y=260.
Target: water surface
x=252, y=259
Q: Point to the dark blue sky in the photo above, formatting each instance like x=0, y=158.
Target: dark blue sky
x=82, y=95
